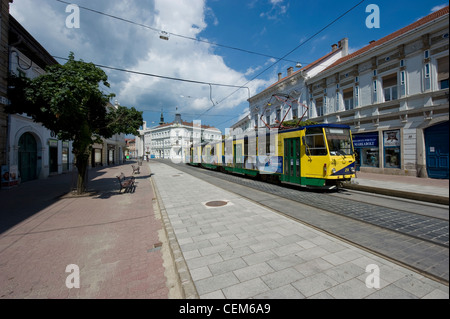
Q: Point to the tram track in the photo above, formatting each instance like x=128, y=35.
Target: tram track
x=430, y=229
x=411, y=239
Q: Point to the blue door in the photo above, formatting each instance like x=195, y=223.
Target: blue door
x=436, y=144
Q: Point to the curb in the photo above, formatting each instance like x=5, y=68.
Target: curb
x=184, y=277
x=397, y=193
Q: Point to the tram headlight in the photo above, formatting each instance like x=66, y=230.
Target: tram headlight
x=333, y=170
x=353, y=170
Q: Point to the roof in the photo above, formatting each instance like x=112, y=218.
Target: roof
x=185, y=124
x=309, y=66
x=413, y=26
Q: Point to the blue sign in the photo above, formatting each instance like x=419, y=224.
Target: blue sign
x=365, y=140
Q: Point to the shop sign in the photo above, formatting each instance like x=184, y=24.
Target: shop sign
x=52, y=142
x=365, y=140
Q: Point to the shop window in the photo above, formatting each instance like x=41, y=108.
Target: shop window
x=367, y=149
x=443, y=73
x=390, y=87
x=392, y=146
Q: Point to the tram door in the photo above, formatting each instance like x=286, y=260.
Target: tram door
x=292, y=160
x=238, y=156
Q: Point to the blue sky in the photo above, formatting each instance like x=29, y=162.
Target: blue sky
x=269, y=27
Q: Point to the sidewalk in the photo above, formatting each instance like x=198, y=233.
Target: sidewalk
x=175, y=241
x=243, y=250
x=116, y=240
x=424, y=189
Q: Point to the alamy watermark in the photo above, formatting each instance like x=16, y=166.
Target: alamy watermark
x=73, y=19
x=373, y=19
x=373, y=279
x=73, y=280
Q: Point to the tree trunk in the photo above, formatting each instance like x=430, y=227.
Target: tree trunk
x=82, y=163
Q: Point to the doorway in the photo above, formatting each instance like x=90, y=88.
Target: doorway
x=27, y=157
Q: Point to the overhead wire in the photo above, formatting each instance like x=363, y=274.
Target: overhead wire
x=177, y=35
x=287, y=54
x=283, y=58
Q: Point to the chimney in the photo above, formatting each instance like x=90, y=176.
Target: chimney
x=279, y=77
x=343, y=44
x=371, y=41
x=290, y=70
x=334, y=47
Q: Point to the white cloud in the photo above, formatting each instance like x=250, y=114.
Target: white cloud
x=436, y=8
x=107, y=41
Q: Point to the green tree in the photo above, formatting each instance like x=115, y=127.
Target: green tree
x=68, y=101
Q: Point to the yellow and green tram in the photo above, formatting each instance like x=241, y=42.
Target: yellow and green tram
x=319, y=156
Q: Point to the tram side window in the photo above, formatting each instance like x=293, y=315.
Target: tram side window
x=315, y=141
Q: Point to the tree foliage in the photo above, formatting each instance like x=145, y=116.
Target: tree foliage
x=296, y=123
x=68, y=101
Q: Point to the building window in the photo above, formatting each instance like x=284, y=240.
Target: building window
x=356, y=96
x=338, y=97
x=375, y=91
x=278, y=115
x=390, y=87
x=427, y=80
x=402, y=83
x=294, y=113
x=268, y=119
x=348, y=99
x=319, y=107
x=442, y=65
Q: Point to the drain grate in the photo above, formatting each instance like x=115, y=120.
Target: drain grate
x=216, y=203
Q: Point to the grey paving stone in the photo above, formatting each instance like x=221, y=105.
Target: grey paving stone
x=351, y=289
x=260, y=257
x=214, y=283
x=284, y=292
x=227, y=266
x=236, y=252
x=345, y=272
x=281, y=278
x=253, y=271
x=285, y=262
x=200, y=273
x=203, y=261
x=391, y=292
x=313, y=267
x=413, y=285
x=245, y=289
x=314, y=284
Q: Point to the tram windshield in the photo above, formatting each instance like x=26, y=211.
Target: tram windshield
x=339, y=141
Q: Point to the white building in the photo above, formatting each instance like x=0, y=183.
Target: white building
x=394, y=94
x=33, y=152
x=173, y=140
x=267, y=110
x=111, y=151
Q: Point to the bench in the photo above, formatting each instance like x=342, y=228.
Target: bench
x=125, y=183
x=136, y=169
